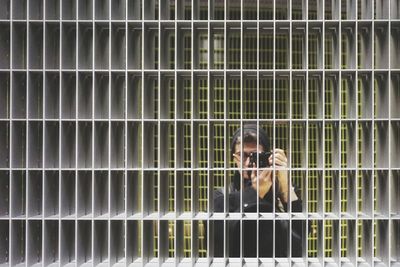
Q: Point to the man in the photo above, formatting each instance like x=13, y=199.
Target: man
x=252, y=189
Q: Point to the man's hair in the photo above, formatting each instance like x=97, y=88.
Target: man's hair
x=250, y=136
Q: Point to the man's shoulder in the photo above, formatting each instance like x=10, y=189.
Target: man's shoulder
x=218, y=200
x=218, y=193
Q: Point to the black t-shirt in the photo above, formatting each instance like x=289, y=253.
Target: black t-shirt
x=266, y=227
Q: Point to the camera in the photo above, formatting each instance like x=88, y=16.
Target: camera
x=263, y=157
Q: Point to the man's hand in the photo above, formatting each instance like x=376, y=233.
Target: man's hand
x=265, y=181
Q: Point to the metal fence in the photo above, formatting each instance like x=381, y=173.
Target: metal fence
x=116, y=118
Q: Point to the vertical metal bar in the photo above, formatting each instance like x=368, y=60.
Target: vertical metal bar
x=142, y=201
x=258, y=124
x=125, y=112
x=242, y=132
x=225, y=134
x=26, y=118
x=11, y=115
x=288, y=151
x=306, y=84
x=159, y=88
x=209, y=165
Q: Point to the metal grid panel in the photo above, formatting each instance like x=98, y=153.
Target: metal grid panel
x=116, y=118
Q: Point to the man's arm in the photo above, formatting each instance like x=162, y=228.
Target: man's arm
x=217, y=237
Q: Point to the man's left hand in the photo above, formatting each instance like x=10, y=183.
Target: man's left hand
x=279, y=159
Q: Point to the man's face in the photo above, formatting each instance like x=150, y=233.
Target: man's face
x=242, y=159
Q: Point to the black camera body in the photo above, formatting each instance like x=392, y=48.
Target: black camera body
x=263, y=157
